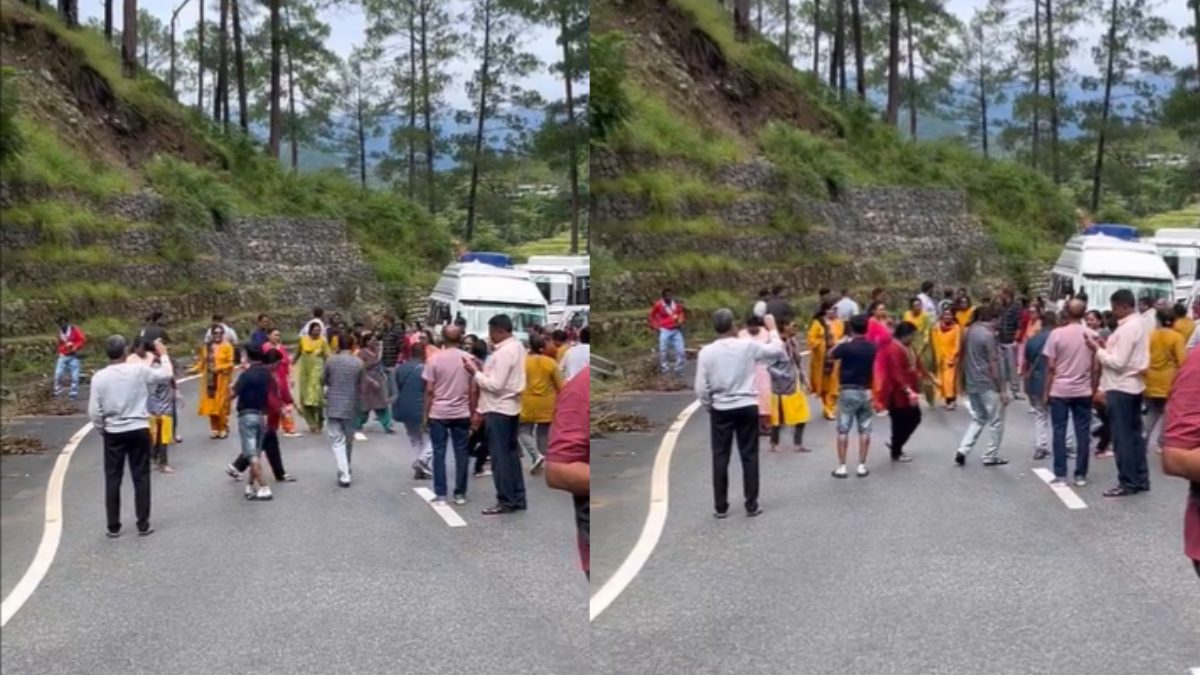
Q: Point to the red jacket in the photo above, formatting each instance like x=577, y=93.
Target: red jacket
x=898, y=374
x=73, y=343
x=663, y=317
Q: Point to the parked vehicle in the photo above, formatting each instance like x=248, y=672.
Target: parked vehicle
x=564, y=281
x=1180, y=249
x=476, y=292
x=1098, y=265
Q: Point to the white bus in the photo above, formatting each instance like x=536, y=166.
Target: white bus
x=476, y=292
x=1179, y=247
x=564, y=281
x=1099, y=265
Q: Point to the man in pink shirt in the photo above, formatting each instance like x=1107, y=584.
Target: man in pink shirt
x=1181, y=451
x=501, y=382
x=448, y=412
x=1124, y=359
x=1069, y=391
x=568, y=459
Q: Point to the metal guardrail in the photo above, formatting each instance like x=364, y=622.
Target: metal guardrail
x=603, y=367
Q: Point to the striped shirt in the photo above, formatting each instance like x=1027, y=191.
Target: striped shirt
x=343, y=380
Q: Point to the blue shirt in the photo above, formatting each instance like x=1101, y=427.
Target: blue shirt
x=1033, y=356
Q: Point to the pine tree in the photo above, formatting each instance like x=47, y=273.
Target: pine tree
x=129, y=39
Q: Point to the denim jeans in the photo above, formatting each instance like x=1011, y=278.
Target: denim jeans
x=671, y=339
x=854, y=409
x=456, y=431
x=66, y=364
x=1080, y=411
x=1125, y=417
x=1008, y=366
x=252, y=427
x=986, y=411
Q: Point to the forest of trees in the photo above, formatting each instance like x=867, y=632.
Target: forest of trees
x=1124, y=141
x=266, y=68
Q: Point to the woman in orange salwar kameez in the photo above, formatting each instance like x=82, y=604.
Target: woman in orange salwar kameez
x=946, y=341
x=754, y=330
x=216, y=366
x=824, y=332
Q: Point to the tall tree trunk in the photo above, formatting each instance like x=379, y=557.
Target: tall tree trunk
x=200, y=60
x=816, y=39
x=1196, y=36
x=362, y=136
x=893, y=63
x=572, y=153
x=108, y=21
x=171, y=69
x=912, y=72
x=741, y=20
x=860, y=78
x=837, y=55
x=239, y=61
x=412, y=102
x=1108, y=82
x=983, y=98
x=129, y=38
x=426, y=88
x=1037, y=84
x=276, y=122
x=293, y=130
x=68, y=10
x=145, y=51
x=221, y=95
x=1053, y=82
x=758, y=20
x=787, y=30
x=483, y=90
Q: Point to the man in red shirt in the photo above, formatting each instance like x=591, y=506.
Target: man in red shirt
x=667, y=317
x=568, y=456
x=1181, y=451
x=901, y=382
x=70, y=340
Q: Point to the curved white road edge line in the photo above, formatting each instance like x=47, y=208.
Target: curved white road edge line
x=655, y=520
x=52, y=533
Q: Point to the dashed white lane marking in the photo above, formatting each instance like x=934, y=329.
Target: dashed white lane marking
x=1064, y=492
x=448, y=514
x=655, y=519
x=52, y=532
x=1196, y=671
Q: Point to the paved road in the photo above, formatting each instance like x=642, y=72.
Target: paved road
x=322, y=579
x=920, y=568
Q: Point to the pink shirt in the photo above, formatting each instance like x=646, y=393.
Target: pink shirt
x=1125, y=356
x=451, y=385
x=502, y=379
x=1072, y=361
x=1181, y=429
x=877, y=332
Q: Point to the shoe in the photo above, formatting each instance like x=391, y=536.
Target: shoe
x=960, y=459
x=1058, y=482
x=1080, y=481
x=360, y=436
x=389, y=431
x=537, y=465
x=862, y=471
x=754, y=512
x=178, y=440
x=288, y=478
x=146, y=532
x=995, y=461
x=112, y=535
x=1105, y=454
x=166, y=468
x=904, y=458
x=720, y=515
x=344, y=479
x=224, y=434
x=292, y=434
x=251, y=493
x=232, y=472
x=264, y=494
x=1119, y=492
x=482, y=474
x=1041, y=454
x=497, y=510
x=459, y=500
x=438, y=500
x=839, y=472
x=1070, y=454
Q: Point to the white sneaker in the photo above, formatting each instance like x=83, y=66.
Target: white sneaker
x=360, y=436
x=250, y=492
x=344, y=479
x=264, y=493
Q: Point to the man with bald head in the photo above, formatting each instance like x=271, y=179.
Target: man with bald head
x=1070, y=387
x=450, y=400
x=726, y=386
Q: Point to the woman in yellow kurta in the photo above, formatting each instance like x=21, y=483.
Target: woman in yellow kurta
x=825, y=332
x=947, y=340
x=313, y=351
x=1183, y=323
x=921, y=349
x=1167, y=355
x=216, y=365
x=963, y=311
x=543, y=380
x=791, y=410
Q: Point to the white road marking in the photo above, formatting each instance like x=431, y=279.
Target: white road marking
x=1196, y=671
x=1064, y=492
x=448, y=514
x=655, y=519
x=52, y=533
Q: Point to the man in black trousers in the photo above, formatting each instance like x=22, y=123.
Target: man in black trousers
x=117, y=409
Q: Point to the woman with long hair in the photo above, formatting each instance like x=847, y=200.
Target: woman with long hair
x=755, y=331
x=946, y=341
x=217, y=360
x=543, y=381
x=880, y=334
x=825, y=331
x=314, y=349
x=790, y=410
x=283, y=372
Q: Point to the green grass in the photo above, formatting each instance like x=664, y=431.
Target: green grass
x=1188, y=216
x=59, y=223
x=44, y=160
x=705, y=225
x=50, y=253
x=559, y=244
x=680, y=264
x=654, y=128
x=667, y=190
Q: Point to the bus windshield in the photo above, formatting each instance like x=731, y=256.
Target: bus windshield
x=1100, y=288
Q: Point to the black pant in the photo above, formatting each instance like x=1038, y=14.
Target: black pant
x=797, y=431
x=270, y=446
x=1104, y=433
x=724, y=426
x=478, y=447
x=134, y=445
x=904, y=422
x=1125, y=416
x=506, y=459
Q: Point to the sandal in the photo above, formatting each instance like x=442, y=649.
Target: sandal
x=998, y=461
x=1119, y=492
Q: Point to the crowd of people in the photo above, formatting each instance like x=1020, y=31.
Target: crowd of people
x=486, y=399
x=1127, y=378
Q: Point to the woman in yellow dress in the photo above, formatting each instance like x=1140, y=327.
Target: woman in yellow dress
x=791, y=410
x=921, y=349
x=216, y=364
x=314, y=349
x=543, y=381
x=963, y=311
x=824, y=332
x=1167, y=354
x=946, y=339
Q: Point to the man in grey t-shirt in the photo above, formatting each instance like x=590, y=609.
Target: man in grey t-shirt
x=980, y=364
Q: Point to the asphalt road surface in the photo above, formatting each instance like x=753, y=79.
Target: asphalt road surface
x=919, y=568
x=323, y=579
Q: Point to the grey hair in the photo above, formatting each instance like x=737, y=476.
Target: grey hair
x=723, y=320
x=115, y=346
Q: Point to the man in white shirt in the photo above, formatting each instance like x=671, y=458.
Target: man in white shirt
x=846, y=307
x=1123, y=359
x=725, y=385
x=578, y=358
x=501, y=381
x=926, y=298
x=117, y=409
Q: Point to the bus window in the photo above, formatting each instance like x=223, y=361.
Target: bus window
x=583, y=291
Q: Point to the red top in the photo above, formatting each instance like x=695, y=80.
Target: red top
x=70, y=341
x=898, y=373
x=666, y=317
x=1023, y=325
x=1182, y=431
x=570, y=442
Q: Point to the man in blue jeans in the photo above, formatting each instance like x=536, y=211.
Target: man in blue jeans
x=1069, y=388
x=70, y=340
x=450, y=397
x=1123, y=359
x=856, y=363
x=667, y=317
